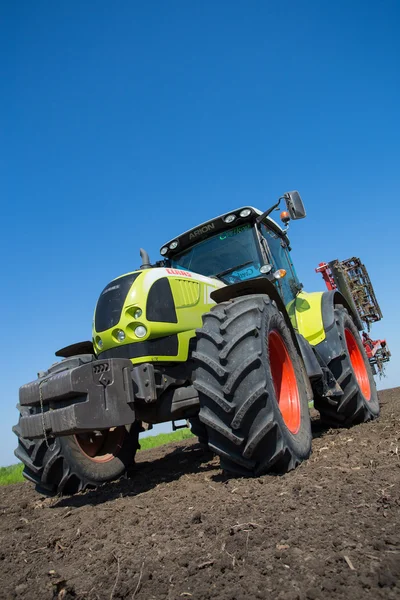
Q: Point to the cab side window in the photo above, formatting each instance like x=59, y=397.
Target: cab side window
x=279, y=256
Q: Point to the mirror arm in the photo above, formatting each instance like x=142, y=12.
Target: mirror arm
x=265, y=214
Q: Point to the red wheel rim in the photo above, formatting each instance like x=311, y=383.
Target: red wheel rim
x=101, y=446
x=285, y=381
x=358, y=364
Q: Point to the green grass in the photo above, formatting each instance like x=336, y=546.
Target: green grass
x=13, y=474
x=152, y=441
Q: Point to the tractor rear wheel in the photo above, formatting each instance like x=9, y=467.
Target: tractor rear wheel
x=69, y=464
x=253, y=398
x=352, y=371
x=199, y=429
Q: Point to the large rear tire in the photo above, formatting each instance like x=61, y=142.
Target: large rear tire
x=352, y=371
x=253, y=398
x=69, y=464
x=199, y=429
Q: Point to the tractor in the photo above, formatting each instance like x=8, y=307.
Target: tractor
x=219, y=334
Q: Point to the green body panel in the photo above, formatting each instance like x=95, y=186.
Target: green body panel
x=305, y=313
x=191, y=295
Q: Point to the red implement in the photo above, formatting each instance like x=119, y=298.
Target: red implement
x=351, y=277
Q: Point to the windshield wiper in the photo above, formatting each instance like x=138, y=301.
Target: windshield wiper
x=249, y=262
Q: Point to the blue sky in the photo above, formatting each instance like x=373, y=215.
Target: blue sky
x=125, y=123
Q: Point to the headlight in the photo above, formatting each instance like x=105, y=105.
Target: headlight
x=137, y=313
x=245, y=212
x=265, y=268
x=140, y=331
x=173, y=245
x=164, y=251
x=120, y=335
x=229, y=218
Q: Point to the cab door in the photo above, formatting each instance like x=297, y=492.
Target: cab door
x=279, y=256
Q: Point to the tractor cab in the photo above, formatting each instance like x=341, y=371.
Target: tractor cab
x=240, y=245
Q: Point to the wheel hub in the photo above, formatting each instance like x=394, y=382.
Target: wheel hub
x=101, y=446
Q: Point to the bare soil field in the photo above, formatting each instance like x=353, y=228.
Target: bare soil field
x=178, y=528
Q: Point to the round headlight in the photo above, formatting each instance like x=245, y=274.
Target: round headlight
x=137, y=313
x=120, y=335
x=164, y=250
x=99, y=342
x=245, y=212
x=140, y=331
x=265, y=268
x=229, y=218
x=173, y=245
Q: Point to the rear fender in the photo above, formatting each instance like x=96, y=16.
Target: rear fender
x=328, y=306
x=332, y=346
x=313, y=316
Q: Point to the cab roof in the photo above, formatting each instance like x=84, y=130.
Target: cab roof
x=213, y=226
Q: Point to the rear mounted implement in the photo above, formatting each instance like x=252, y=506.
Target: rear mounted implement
x=351, y=278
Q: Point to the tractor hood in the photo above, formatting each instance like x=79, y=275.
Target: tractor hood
x=151, y=315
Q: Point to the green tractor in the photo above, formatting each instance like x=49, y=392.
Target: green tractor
x=218, y=333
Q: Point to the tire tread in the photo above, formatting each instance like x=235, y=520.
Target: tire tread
x=235, y=396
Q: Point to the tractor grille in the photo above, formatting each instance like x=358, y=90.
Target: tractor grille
x=111, y=301
x=187, y=293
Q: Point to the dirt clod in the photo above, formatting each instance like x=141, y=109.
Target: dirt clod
x=178, y=528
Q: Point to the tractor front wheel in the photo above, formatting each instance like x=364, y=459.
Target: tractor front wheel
x=69, y=464
x=253, y=398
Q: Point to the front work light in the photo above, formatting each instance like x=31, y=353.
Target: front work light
x=265, y=268
x=120, y=335
x=229, y=218
x=140, y=331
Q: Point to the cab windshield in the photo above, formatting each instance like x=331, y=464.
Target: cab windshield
x=231, y=255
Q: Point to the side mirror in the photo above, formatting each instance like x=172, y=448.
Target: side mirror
x=295, y=205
